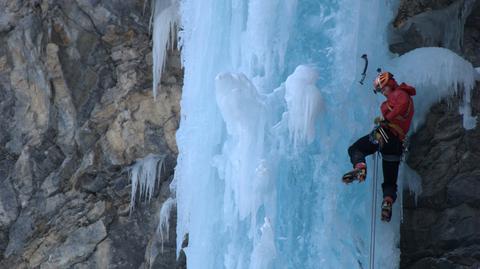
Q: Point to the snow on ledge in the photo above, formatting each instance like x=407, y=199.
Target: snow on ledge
x=436, y=73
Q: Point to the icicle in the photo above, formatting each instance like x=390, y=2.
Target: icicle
x=164, y=224
x=162, y=233
x=411, y=181
x=145, y=174
x=465, y=109
x=304, y=102
x=165, y=18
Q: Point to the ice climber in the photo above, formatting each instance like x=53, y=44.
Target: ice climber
x=387, y=137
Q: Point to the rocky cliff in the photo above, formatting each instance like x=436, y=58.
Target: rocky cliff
x=442, y=230
x=76, y=112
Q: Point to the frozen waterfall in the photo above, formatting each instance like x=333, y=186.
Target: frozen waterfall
x=270, y=104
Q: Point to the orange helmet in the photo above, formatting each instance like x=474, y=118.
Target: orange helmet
x=382, y=81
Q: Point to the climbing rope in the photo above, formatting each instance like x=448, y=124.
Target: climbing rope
x=374, y=215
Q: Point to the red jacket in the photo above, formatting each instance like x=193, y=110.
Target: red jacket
x=398, y=109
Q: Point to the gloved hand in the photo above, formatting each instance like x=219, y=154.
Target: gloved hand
x=378, y=120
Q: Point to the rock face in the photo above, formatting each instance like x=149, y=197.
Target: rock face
x=471, y=39
x=441, y=229
x=77, y=110
x=423, y=24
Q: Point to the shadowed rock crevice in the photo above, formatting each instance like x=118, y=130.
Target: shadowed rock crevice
x=472, y=36
x=423, y=24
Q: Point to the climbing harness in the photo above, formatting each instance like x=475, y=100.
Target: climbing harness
x=374, y=215
x=378, y=136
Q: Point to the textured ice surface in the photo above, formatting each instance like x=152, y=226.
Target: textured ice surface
x=262, y=149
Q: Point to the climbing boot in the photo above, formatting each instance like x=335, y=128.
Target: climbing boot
x=359, y=173
x=387, y=208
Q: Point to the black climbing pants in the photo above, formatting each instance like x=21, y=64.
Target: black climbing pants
x=391, y=154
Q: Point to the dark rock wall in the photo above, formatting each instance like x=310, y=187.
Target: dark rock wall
x=426, y=25
x=76, y=111
x=471, y=39
x=442, y=229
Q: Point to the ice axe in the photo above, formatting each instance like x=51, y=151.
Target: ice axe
x=364, y=74
x=365, y=67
